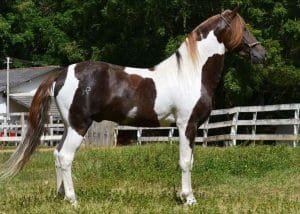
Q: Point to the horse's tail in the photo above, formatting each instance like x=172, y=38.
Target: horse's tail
x=37, y=117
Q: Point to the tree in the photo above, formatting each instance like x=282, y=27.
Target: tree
x=142, y=33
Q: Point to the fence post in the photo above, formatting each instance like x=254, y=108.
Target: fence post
x=296, y=127
x=205, y=132
x=171, y=132
x=139, y=135
x=51, y=129
x=254, y=126
x=116, y=131
x=22, y=123
x=5, y=124
x=234, y=127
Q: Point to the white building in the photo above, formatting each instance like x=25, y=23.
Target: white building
x=23, y=84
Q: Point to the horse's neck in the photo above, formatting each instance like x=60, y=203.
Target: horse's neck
x=181, y=72
x=182, y=62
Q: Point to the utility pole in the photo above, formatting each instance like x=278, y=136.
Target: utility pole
x=7, y=89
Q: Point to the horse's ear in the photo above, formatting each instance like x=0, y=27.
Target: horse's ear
x=234, y=11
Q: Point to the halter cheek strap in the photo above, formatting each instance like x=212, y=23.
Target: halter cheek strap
x=253, y=44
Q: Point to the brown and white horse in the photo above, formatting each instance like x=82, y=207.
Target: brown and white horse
x=179, y=89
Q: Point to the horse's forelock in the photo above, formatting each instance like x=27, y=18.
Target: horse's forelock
x=234, y=34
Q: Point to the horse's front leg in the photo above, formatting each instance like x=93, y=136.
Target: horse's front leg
x=186, y=164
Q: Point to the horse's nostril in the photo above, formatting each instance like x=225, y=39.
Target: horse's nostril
x=257, y=58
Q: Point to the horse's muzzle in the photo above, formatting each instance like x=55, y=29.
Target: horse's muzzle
x=258, y=57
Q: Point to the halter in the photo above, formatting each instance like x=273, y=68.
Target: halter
x=225, y=20
x=251, y=45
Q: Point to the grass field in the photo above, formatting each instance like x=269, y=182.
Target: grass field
x=146, y=179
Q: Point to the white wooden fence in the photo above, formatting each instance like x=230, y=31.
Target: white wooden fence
x=251, y=123
x=15, y=129
x=251, y=118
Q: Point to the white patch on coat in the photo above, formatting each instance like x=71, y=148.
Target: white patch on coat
x=180, y=89
x=66, y=94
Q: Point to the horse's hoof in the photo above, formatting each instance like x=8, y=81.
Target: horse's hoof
x=74, y=204
x=190, y=201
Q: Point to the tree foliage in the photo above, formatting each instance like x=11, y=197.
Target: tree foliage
x=142, y=33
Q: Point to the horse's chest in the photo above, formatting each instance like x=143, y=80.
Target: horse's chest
x=176, y=97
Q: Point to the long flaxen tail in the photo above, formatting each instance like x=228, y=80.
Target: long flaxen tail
x=38, y=115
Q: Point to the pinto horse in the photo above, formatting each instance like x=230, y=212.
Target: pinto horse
x=180, y=89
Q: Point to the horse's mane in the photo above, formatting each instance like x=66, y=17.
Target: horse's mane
x=232, y=36
x=191, y=43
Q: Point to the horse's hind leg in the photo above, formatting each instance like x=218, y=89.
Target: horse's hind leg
x=59, y=181
x=65, y=159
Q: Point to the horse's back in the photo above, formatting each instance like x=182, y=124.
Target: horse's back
x=101, y=91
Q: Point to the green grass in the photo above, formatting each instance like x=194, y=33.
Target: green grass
x=146, y=179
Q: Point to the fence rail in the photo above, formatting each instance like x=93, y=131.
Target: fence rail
x=14, y=129
x=250, y=123
x=233, y=121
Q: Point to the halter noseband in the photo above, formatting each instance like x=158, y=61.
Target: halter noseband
x=251, y=45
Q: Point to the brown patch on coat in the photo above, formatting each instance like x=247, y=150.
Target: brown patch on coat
x=202, y=30
x=60, y=81
x=107, y=92
x=135, y=81
x=146, y=94
x=211, y=74
x=81, y=110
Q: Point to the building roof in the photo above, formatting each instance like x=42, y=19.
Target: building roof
x=26, y=101
x=20, y=75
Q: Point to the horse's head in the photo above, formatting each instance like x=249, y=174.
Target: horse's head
x=236, y=37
